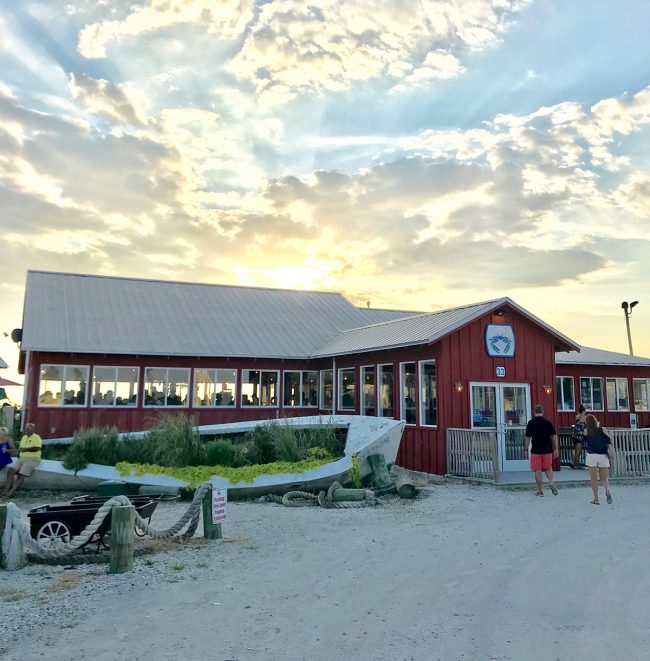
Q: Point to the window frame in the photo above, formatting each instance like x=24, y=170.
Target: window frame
x=321, y=390
x=214, y=370
x=114, y=404
x=616, y=380
x=61, y=404
x=560, y=391
x=421, y=405
x=362, y=404
x=402, y=398
x=302, y=376
x=278, y=393
x=380, y=372
x=166, y=406
x=591, y=391
x=647, y=393
x=339, y=389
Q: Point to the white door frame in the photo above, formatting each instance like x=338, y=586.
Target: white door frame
x=501, y=426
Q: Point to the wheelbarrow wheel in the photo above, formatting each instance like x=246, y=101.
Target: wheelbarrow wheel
x=53, y=533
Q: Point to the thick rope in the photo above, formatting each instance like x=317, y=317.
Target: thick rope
x=324, y=499
x=17, y=536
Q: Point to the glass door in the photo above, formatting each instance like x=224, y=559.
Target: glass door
x=504, y=408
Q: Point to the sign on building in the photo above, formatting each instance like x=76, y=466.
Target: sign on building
x=500, y=340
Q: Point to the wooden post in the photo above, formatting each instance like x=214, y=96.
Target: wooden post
x=122, y=537
x=3, y=521
x=341, y=495
x=405, y=488
x=381, y=479
x=210, y=530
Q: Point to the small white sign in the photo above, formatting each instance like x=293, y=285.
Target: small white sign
x=633, y=421
x=501, y=372
x=500, y=340
x=219, y=500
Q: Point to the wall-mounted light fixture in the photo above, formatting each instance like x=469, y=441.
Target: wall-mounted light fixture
x=547, y=389
x=458, y=386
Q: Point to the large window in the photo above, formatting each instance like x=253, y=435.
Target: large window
x=346, y=389
x=385, y=393
x=564, y=390
x=217, y=387
x=591, y=393
x=409, y=392
x=63, y=385
x=166, y=386
x=115, y=386
x=641, y=394
x=368, y=397
x=618, y=398
x=259, y=387
x=300, y=389
x=326, y=389
x=428, y=399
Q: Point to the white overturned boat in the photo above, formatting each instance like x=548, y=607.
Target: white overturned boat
x=365, y=436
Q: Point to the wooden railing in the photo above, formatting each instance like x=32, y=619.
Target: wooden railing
x=631, y=455
x=472, y=453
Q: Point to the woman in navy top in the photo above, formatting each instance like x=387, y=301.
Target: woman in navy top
x=598, y=445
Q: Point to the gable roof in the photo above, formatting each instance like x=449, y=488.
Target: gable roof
x=65, y=312
x=590, y=356
x=424, y=329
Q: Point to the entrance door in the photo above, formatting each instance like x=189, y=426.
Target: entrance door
x=504, y=408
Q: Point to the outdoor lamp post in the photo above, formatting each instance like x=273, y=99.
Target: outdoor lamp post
x=627, y=310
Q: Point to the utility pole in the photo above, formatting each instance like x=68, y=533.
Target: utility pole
x=627, y=310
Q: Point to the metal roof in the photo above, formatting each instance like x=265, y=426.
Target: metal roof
x=421, y=329
x=97, y=314
x=590, y=356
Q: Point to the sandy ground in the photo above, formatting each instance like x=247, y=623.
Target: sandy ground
x=463, y=572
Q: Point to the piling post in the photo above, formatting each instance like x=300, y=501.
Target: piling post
x=3, y=522
x=122, y=538
x=210, y=530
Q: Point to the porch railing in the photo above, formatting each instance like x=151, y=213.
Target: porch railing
x=631, y=456
x=472, y=453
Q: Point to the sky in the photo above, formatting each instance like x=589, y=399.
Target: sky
x=416, y=155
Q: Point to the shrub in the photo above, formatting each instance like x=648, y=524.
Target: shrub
x=97, y=445
x=262, y=438
x=220, y=452
x=176, y=442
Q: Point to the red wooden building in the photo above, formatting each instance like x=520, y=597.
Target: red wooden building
x=118, y=351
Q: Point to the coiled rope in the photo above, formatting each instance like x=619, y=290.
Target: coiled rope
x=324, y=499
x=17, y=538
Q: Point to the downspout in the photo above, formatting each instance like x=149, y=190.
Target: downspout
x=25, y=389
x=334, y=382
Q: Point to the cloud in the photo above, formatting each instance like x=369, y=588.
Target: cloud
x=120, y=103
x=226, y=18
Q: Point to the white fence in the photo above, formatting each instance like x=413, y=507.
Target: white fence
x=472, y=453
x=631, y=455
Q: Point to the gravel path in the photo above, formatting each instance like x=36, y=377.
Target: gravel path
x=463, y=572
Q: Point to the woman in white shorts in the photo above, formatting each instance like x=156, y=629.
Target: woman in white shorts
x=598, y=445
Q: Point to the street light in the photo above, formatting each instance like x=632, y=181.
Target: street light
x=627, y=310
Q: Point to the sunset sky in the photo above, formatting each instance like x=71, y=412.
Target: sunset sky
x=417, y=155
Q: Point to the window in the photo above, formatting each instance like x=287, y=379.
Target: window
x=215, y=388
x=115, y=386
x=385, y=394
x=346, y=389
x=428, y=399
x=565, y=393
x=407, y=388
x=641, y=394
x=326, y=389
x=166, y=386
x=259, y=387
x=300, y=389
x=618, y=398
x=368, y=397
x=63, y=385
x=591, y=393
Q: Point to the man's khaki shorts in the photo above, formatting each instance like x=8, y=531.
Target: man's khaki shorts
x=25, y=465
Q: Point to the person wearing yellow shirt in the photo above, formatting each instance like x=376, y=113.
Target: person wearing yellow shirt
x=28, y=459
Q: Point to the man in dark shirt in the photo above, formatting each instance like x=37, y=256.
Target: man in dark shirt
x=545, y=448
